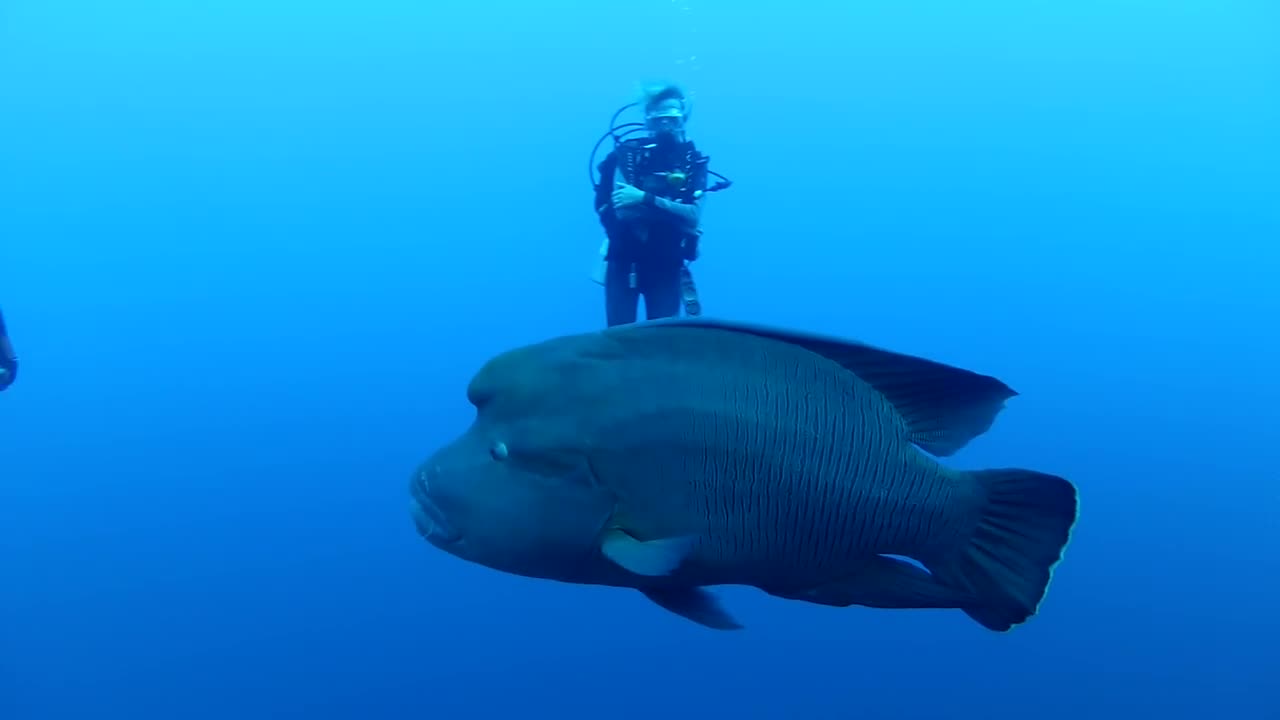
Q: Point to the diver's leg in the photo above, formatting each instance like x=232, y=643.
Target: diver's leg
x=662, y=289
x=620, y=298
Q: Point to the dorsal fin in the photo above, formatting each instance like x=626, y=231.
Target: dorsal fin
x=945, y=407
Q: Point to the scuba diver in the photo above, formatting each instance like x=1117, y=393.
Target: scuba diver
x=8, y=358
x=649, y=201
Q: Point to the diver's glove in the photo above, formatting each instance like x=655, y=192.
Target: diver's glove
x=8, y=371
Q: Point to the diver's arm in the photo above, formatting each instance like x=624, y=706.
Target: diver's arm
x=689, y=214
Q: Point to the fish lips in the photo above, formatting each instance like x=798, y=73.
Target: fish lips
x=429, y=519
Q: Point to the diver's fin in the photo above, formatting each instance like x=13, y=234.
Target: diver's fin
x=655, y=557
x=884, y=582
x=1008, y=561
x=945, y=407
x=694, y=603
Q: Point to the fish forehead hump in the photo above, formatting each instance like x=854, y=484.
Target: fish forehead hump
x=641, y=359
x=570, y=379
x=597, y=378
x=570, y=394
x=606, y=372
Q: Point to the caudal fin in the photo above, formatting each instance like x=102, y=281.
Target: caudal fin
x=1009, y=560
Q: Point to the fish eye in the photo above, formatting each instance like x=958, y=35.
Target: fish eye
x=499, y=451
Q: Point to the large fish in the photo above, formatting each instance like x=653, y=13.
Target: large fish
x=673, y=455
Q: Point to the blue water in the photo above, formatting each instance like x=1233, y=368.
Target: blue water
x=251, y=252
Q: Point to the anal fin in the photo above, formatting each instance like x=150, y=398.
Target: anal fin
x=885, y=582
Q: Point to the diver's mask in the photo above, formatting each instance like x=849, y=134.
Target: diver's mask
x=666, y=121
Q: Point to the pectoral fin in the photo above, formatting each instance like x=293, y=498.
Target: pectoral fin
x=650, y=558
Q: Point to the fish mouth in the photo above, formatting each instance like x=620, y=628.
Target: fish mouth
x=429, y=519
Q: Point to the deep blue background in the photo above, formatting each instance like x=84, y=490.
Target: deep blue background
x=250, y=253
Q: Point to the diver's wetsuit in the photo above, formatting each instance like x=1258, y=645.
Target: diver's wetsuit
x=650, y=243
x=657, y=281
x=8, y=358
